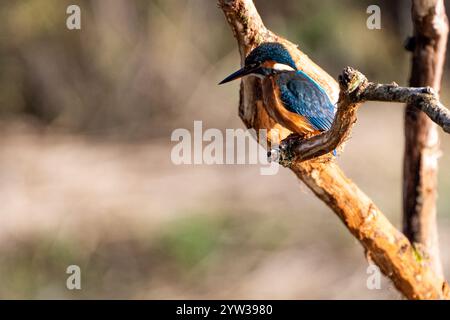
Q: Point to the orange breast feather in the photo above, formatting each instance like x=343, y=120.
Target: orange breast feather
x=292, y=121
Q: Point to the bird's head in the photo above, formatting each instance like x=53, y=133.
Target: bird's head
x=268, y=58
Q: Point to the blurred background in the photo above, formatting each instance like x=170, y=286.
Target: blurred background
x=85, y=170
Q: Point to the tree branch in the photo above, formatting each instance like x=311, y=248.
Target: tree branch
x=421, y=137
x=384, y=244
x=355, y=89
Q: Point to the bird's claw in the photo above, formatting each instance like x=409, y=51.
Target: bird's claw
x=273, y=155
x=429, y=90
x=283, y=153
x=280, y=155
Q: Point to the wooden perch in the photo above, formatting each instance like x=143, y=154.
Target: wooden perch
x=420, y=162
x=355, y=89
x=383, y=243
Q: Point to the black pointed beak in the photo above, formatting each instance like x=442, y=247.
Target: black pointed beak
x=239, y=74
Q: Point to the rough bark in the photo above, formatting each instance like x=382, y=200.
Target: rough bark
x=384, y=244
x=355, y=89
x=421, y=137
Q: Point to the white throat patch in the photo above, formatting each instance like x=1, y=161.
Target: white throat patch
x=282, y=67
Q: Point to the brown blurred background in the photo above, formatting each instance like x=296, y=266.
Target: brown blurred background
x=85, y=170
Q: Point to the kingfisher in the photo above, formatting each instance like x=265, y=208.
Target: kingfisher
x=293, y=98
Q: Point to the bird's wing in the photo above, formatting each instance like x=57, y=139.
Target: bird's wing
x=302, y=95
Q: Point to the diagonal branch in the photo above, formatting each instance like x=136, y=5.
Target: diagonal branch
x=384, y=244
x=356, y=89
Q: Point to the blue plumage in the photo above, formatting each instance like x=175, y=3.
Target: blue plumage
x=270, y=51
x=308, y=105
x=302, y=95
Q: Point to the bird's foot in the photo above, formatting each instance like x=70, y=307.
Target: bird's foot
x=283, y=153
